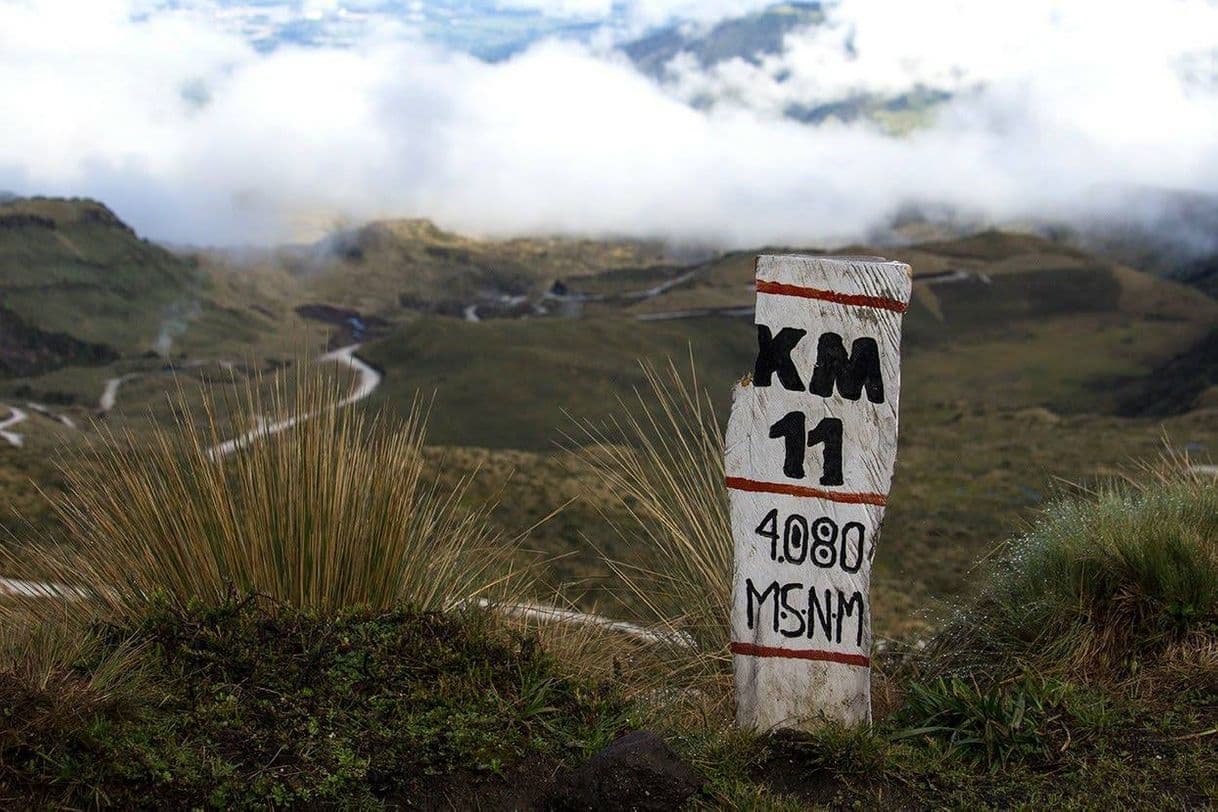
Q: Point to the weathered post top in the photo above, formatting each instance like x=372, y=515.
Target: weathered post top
x=809, y=456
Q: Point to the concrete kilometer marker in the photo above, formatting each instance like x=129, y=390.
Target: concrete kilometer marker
x=810, y=449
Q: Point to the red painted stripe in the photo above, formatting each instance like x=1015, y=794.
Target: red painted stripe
x=753, y=650
x=856, y=299
x=754, y=486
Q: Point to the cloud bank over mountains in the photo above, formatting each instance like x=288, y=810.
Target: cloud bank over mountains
x=195, y=135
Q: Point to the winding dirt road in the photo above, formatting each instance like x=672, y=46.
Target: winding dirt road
x=367, y=382
x=570, y=617
x=51, y=414
x=109, y=395
x=16, y=416
x=16, y=588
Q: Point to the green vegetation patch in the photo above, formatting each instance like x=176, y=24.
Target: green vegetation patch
x=1084, y=674
x=1105, y=587
x=248, y=704
x=516, y=383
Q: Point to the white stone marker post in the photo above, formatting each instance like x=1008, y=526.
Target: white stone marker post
x=810, y=449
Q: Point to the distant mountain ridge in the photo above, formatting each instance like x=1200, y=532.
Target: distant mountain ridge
x=79, y=286
x=749, y=38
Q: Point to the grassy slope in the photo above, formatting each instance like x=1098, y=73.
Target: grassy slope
x=73, y=267
x=1008, y=384
x=374, y=267
x=507, y=384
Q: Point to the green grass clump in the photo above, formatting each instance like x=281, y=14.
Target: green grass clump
x=1102, y=587
x=1029, y=719
x=1091, y=645
x=249, y=704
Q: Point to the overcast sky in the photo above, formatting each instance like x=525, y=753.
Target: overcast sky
x=193, y=134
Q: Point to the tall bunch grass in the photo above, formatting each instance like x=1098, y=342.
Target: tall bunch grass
x=662, y=459
x=335, y=510
x=1102, y=584
x=55, y=671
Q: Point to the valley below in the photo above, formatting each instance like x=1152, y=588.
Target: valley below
x=1031, y=369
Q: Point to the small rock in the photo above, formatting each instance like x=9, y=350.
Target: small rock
x=639, y=771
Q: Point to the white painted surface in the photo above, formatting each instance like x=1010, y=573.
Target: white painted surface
x=801, y=626
x=11, y=437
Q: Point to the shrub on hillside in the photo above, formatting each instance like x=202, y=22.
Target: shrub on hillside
x=1101, y=587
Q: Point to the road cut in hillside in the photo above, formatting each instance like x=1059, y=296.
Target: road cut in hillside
x=109, y=395
x=368, y=380
x=16, y=416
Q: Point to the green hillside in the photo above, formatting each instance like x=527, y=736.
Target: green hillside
x=79, y=287
x=510, y=383
x=999, y=324
x=1021, y=355
x=1026, y=359
x=395, y=265
x=72, y=267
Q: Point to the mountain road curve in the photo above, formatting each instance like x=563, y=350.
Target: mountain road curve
x=11, y=437
x=368, y=379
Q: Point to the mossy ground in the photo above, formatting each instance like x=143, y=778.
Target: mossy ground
x=251, y=705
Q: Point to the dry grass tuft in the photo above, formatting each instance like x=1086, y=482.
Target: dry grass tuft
x=662, y=460
x=332, y=511
x=52, y=668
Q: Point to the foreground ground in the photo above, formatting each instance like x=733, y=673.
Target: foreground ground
x=246, y=706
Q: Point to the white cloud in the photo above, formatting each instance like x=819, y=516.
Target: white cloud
x=194, y=136
x=644, y=13
x=562, y=8
x=638, y=15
